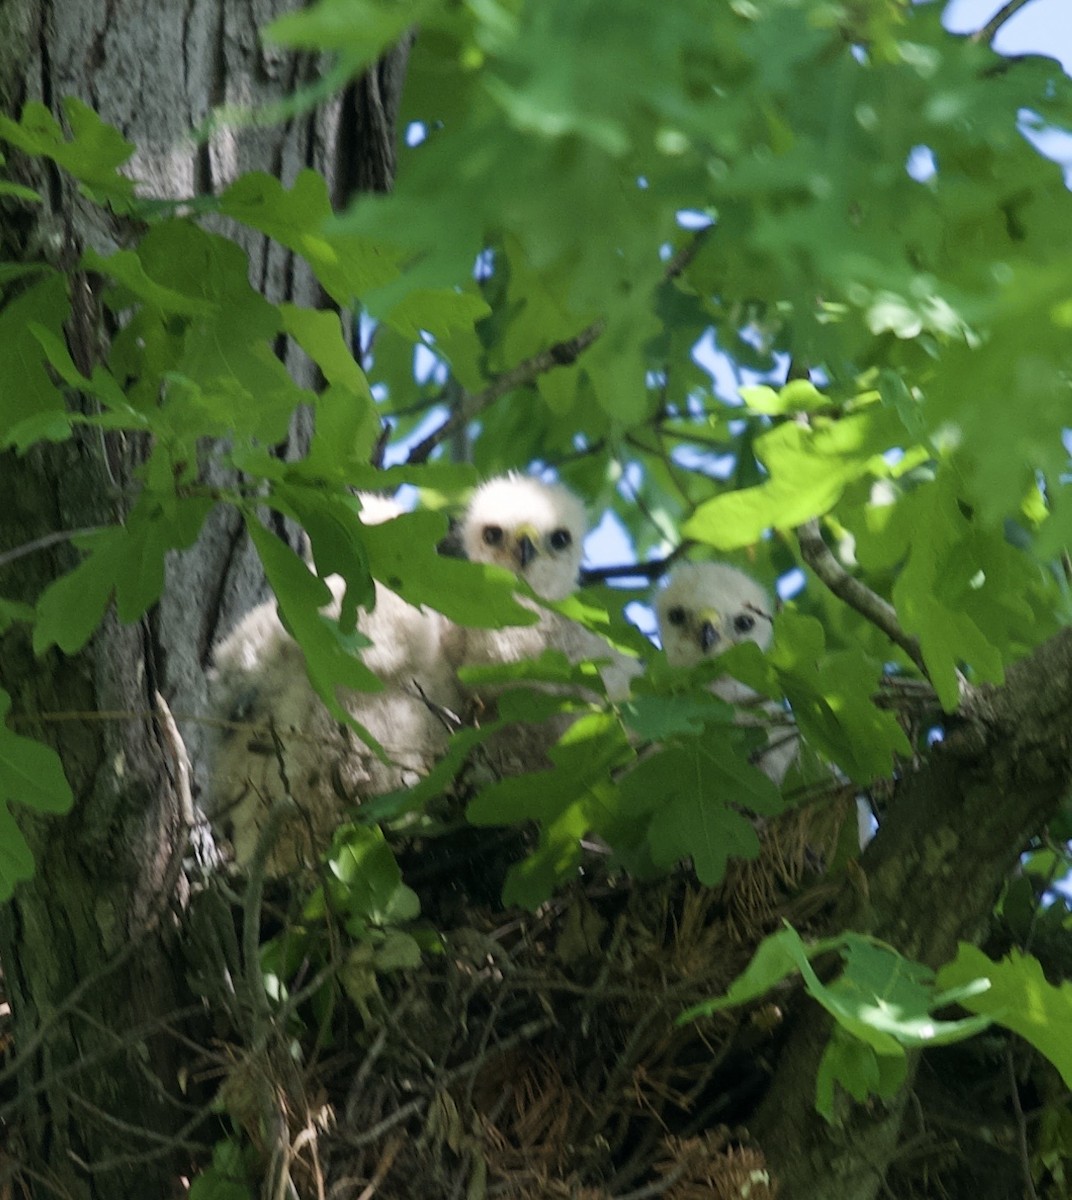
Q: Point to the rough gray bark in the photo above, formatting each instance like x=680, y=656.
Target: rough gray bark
x=96, y=915
x=954, y=832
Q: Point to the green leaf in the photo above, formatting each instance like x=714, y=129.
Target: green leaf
x=100, y=384
x=693, y=792
x=441, y=312
x=125, y=267
x=857, y=1068
x=125, y=560
x=346, y=264
x=552, y=666
x=363, y=28
x=555, y=860
x=337, y=541
x=16, y=861
x=328, y=651
x=18, y=191
x=775, y=958
x=799, y=395
x=398, y=951
x=809, y=470
x=71, y=607
x=567, y=801
x=402, y=554
x=27, y=394
x=654, y=718
x=881, y=1001
x=371, y=886
x=14, y=612
x=91, y=155
x=217, y=364
x=1019, y=997
x=31, y=775
x=228, y=1176
x=964, y=591
x=392, y=805
x=831, y=694
x=320, y=335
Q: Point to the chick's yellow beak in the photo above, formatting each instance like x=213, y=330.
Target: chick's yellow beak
x=710, y=620
x=527, y=544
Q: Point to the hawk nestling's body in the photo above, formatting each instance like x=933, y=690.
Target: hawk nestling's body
x=704, y=609
x=281, y=745
x=536, y=530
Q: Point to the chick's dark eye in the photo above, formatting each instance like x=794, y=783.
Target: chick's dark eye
x=676, y=616
x=493, y=535
x=560, y=539
x=742, y=623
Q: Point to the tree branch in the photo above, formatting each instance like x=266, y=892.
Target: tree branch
x=857, y=595
x=1004, y=14
x=683, y=258
x=653, y=569
x=43, y=543
x=561, y=354
x=471, y=405
x=1021, y=1125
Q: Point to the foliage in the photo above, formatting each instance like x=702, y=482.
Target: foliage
x=881, y=1003
x=757, y=187
x=30, y=774
x=1019, y=997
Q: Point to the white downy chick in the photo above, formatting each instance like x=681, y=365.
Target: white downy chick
x=275, y=724
x=536, y=530
x=704, y=609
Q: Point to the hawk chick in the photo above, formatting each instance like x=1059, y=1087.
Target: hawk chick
x=532, y=528
x=278, y=743
x=707, y=607
x=536, y=530
x=704, y=609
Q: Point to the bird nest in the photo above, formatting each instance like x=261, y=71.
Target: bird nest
x=540, y=1055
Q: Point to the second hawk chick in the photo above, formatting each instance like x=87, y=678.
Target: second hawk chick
x=704, y=609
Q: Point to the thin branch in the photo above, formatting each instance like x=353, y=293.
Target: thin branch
x=130, y=1160
x=561, y=354
x=1004, y=13
x=526, y=1033
x=683, y=258
x=856, y=595
x=1021, y=1126
x=653, y=569
x=388, y=1157
x=165, y=1142
x=659, y=1187
x=49, y=539
x=58, y=1075
x=380, y=449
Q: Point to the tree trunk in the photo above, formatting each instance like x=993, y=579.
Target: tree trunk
x=952, y=837
x=91, y=968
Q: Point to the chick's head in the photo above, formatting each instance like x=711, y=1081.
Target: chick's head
x=532, y=528
x=707, y=607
